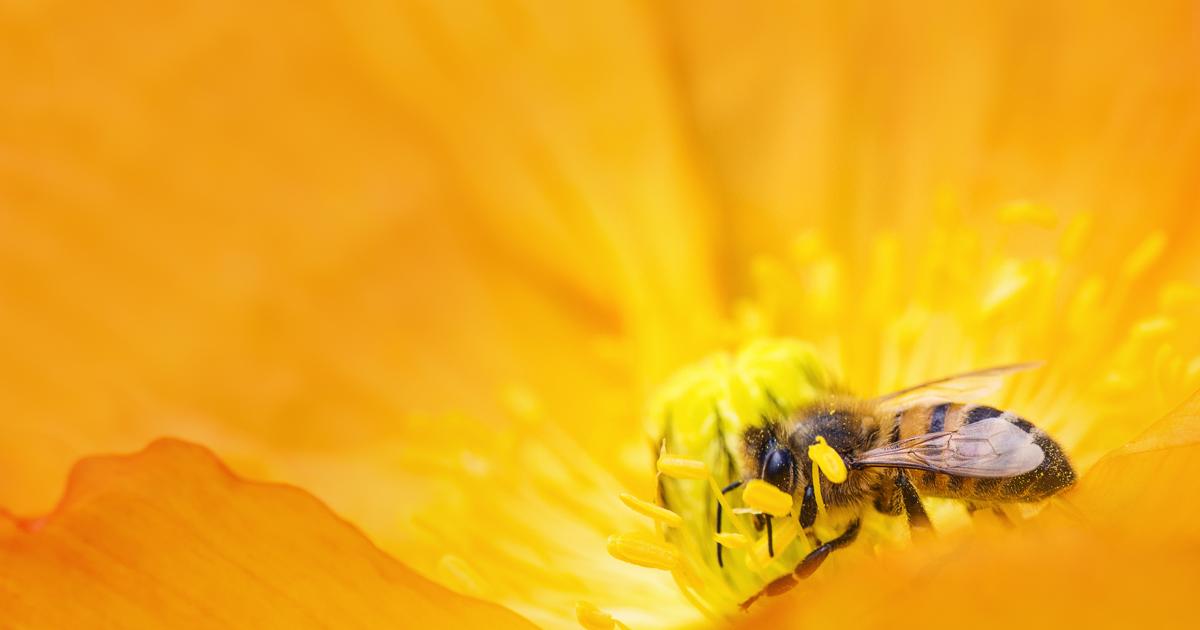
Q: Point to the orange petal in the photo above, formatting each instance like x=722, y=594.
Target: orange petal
x=170, y=538
x=1148, y=486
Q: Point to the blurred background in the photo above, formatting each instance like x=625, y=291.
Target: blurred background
x=299, y=232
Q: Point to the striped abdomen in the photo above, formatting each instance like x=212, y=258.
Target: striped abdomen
x=1051, y=476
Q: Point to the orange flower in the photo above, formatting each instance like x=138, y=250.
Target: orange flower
x=170, y=537
x=430, y=261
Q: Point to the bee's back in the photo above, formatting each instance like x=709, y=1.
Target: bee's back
x=1051, y=476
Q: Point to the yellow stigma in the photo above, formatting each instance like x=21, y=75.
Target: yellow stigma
x=643, y=550
x=766, y=498
x=656, y=512
x=682, y=467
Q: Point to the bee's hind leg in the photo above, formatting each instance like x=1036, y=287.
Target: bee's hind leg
x=912, y=501
x=807, y=566
x=996, y=510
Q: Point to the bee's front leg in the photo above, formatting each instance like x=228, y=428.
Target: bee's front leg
x=807, y=566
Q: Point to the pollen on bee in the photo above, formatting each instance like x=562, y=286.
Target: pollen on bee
x=643, y=550
x=766, y=498
x=682, y=467
x=732, y=540
x=592, y=618
x=656, y=512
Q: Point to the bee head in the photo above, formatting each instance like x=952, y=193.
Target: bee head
x=778, y=467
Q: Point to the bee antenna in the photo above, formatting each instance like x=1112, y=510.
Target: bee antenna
x=732, y=486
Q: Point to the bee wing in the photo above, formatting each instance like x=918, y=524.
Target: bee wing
x=990, y=448
x=958, y=388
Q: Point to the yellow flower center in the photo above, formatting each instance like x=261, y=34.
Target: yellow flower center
x=953, y=299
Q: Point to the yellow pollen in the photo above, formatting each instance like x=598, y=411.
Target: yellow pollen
x=656, y=512
x=766, y=498
x=643, y=551
x=593, y=618
x=732, y=540
x=682, y=467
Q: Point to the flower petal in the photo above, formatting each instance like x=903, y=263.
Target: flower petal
x=170, y=538
x=1148, y=486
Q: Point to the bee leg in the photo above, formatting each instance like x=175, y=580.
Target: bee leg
x=998, y=511
x=912, y=502
x=726, y=489
x=1003, y=516
x=807, y=566
x=808, y=508
x=888, y=500
x=770, y=539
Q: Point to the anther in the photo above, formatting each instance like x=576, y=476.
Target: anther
x=766, y=498
x=643, y=551
x=682, y=467
x=828, y=460
x=593, y=618
x=656, y=512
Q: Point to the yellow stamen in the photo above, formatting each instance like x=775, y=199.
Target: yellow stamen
x=682, y=467
x=766, y=498
x=1144, y=255
x=728, y=509
x=785, y=533
x=816, y=482
x=732, y=540
x=1028, y=212
x=828, y=460
x=825, y=460
x=643, y=551
x=593, y=618
x=656, y=512
x=1075, y=235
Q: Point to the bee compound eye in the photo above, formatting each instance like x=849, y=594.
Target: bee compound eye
x=778, y=469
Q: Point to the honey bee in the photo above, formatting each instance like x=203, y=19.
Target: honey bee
x=926, y=440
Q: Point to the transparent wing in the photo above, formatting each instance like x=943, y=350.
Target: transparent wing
x=990, y=448
x=963, y=387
